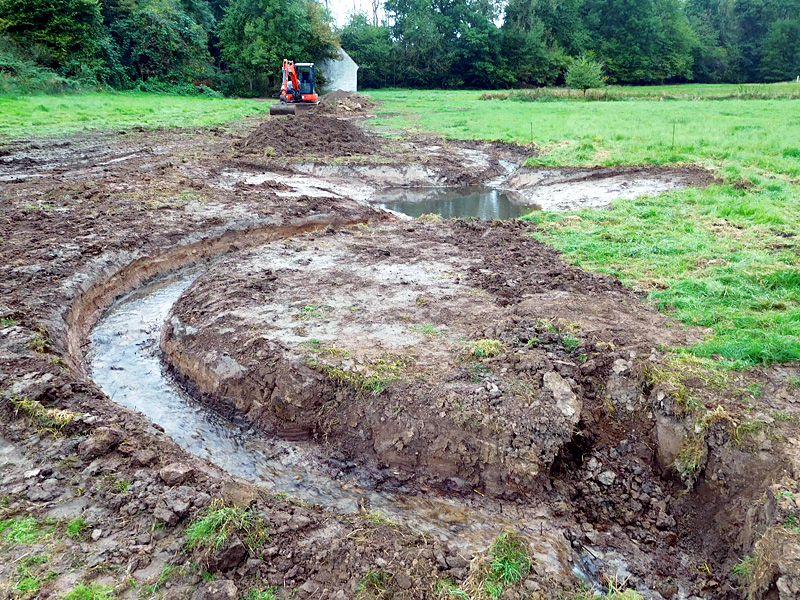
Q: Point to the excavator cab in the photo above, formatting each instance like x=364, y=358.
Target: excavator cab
x=298, y=88
x=306, y=74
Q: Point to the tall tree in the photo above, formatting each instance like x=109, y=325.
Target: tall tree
x=641, y=41
x=369, y=45
x=164, y=40
x=781, y=51
x=256, y=35
x=68, y=33
x=539, y=36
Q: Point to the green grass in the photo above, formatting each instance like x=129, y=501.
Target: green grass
x=507, y=563
x=485, y=348
x=724, y=257
x=375, y=584
x=76, y=529
x=46, y=116
x=267, y=594
x=218, y=522
x=26, y=530
x=52, y=420
x=735, y=133
x=690, y=91
x=90, y=591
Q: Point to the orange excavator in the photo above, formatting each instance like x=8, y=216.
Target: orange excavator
x=297, y=89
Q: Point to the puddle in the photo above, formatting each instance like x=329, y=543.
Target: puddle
x=125, y=361
x=481, y=202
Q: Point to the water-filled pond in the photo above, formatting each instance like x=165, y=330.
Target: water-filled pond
x=481, y=202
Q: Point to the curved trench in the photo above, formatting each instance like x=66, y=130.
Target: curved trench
x=114, y=339
x=125, y=361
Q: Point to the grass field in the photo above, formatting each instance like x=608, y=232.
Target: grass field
x=726, y=257
x=44, y=116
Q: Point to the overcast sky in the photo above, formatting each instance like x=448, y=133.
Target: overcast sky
x=342, y=9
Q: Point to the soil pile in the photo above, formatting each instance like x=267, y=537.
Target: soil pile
x=344, y=103
x=309, y=134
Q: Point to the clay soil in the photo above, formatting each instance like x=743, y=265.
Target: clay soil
x=580, y=417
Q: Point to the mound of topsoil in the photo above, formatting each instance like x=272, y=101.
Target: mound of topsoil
x=343, y=103
x=310, y=134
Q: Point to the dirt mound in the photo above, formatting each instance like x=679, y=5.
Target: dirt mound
x=309, y=134
x=341, y=102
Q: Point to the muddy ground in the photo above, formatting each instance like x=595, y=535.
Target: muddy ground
x=650, y=473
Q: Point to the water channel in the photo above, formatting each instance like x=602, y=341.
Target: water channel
x=125, y=361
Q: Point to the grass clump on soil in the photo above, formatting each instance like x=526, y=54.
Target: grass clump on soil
x=45, y=116
x=219, y=522
x=90, y=591
x=31, y=574
x=428, y=330
x=25, y=530
x=52, y=420
x=743, y=570
x=724, y=257
x=313, y=311
x=76, y=529
x=614, y=593
x=484, y=348
x=375, y=584
x=372, y=376
x=507, y=563
x=678, y=370
x=377, y=518
x=267, y=594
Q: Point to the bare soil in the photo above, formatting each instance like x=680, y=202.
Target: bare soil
x=587, y=434
x=310, y=134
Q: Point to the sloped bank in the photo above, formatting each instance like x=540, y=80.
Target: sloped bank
x=468, y=358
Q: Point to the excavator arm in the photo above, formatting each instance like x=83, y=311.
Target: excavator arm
x=289, y=76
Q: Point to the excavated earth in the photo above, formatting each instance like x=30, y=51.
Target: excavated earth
x=459, y=360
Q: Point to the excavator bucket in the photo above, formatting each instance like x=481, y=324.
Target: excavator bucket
x=282, y=109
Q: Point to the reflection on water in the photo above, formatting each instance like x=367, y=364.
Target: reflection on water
x=454, y=202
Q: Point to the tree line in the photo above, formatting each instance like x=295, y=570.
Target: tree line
x=236, y=46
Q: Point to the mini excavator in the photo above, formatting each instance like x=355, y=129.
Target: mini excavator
x=298, y=89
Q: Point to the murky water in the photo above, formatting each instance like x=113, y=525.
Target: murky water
x=124, y=360
x=481, y=202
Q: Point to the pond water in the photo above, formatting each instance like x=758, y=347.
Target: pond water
x=480, y=202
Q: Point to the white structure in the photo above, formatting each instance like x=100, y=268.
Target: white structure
x=341, y=73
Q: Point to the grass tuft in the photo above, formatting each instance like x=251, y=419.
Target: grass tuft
x=90, y=591
x=266, y=594
x=52, y=420
x=485, y=348
x=76, y=529
x=218, y=522
x=506, y=564
x=375, y=584
x=26, y=530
